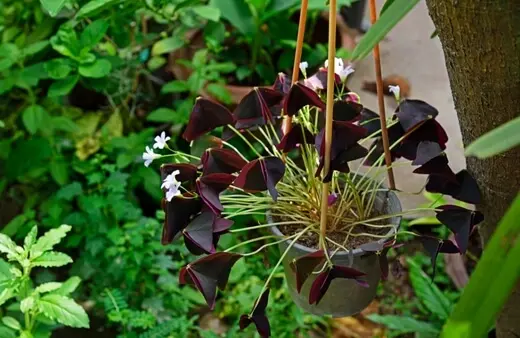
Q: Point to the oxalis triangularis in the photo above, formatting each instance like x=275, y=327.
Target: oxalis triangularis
x=314, y=164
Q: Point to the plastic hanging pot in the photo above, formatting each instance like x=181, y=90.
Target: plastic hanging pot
x=344, y=297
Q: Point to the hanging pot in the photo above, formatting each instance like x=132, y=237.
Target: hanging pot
x=344, y=297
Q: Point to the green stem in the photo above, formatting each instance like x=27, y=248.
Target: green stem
x=250, y=241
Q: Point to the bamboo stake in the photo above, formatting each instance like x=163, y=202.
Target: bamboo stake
x=328, y=115
x=381, y=102
x=287, y=123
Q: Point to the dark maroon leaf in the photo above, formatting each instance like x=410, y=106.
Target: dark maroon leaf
x=258, y=316
x=321, y=284
x=187, y=172
x=468, y=191
x=464, y=188
x=437, y=166
x=178, y=214
x=381, y=250
x=282, y=84
x=260, y=175
x=208, y=273
x=209, y=188
x=206, y=116
x=370, y=121
x=304, y=266
x=413, y=112
x=216, y=160
x=297, y=135
x=395, y=132
x=461, y=222
x=200, y=232
x=434, y=246
x=346, y=111
x=254, y=108
x=300, y=96
x=222, y=225
x=430, y=131
x=427, y=151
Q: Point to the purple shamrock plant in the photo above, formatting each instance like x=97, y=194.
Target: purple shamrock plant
x=282, y=176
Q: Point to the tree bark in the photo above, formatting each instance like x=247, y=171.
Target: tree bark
x=481, y=42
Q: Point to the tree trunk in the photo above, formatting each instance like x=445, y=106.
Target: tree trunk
x=481, y=42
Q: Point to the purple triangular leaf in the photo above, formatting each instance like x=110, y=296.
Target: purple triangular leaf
x=177, y=215
x=209, y=188
x=426, y=151
x=254, y=108
x=206, y=116
x=261, y=174
x=305, y=265
x=460, y=221
x=300, y=96
x=434, y=246
x=258, y=317
x=200, y=231
x=297, y=135
x=208, y=273
x=413, y=112
x=216, y=160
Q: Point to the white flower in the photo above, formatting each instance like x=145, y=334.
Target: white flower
x=396, y=90
x=172, y=192
x=149, y=156
x=171, y=180
x=160, y=141
x=338, y=64
x=339, y=68
x=303, y=67
x=345, y=72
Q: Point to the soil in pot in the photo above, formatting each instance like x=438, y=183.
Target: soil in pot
x=311, y=239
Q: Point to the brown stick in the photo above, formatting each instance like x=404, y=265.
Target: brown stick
x=287, y=123
x=328, y=116
x=381, y=102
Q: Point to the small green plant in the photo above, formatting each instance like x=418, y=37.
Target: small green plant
x=43, y=305
x=435, y=308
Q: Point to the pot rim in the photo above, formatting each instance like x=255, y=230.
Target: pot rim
x=391, y=195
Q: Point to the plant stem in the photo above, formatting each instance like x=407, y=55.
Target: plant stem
x=381, y=102
x=250, y=241
x=287, y=123
x=329, y=115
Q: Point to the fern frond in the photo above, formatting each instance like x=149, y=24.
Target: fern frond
x=114, y=301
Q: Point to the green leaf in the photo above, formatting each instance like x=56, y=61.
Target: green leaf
x=53, y=6
x=496, y=141
x=16, y=223
x=68, y=286
x=428, y=293
x=207, y=12
x=175, y=86
x=156, y=62
x=59, y=171
x=70, y=191
x=2, y=124
x=51, y=259
x=93, y=33
x=95, y=6
x=492, y=281
x=5, y=270
x=30, y=238
x=63, y=87
x=64, y=310
x=424, y=220
x=33, y=118
x=7, y=245
x=96, y=69
x=48, y=287
x=50, y=239
x=114, y=126
x=392, y=15
x=225, y=67
x=167, y=45
x=404, y=324
x=6, y=332
x=35, y=48
x=27, y=304
x=219, y=91
x=9, y=54
x=6, y=294
x=64, y=123
x=237, y=13
x=162, y=115
x=12, y=323
x=57, y=69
